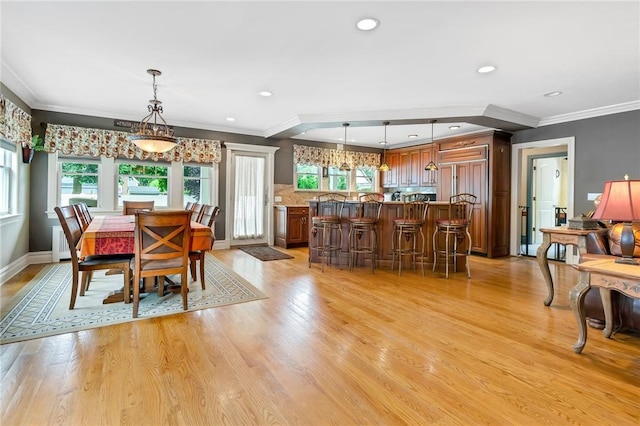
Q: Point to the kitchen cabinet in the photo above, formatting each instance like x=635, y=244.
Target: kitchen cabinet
x=480, y=165
x=410, y=162
x=390, y=178
x=291, y=226
x=427, y=177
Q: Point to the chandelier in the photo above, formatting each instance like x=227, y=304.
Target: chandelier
x=153, y=134
x=431, y=166
x=345, y=167
x=384, y=167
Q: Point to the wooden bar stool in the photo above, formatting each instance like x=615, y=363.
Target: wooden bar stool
x=408, y=237
x=328, y=221
x=363, y=233
x=456, y=230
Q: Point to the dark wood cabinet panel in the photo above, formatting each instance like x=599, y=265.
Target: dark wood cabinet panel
x=480, y=165
x=410, y=162
x=291, y=226
x=390, y=178
x=427, y=177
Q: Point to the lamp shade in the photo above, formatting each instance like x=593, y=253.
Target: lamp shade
x=620, y=201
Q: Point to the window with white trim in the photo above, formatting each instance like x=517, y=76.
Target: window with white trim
x=315, y=178
x=78, y=181
x=197, y=181
x=338, y=180
x=7, y=186
x=307, y=178
x=365, y=179
x=143, y=181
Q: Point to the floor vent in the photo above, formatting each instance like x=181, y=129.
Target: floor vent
x=59, y=246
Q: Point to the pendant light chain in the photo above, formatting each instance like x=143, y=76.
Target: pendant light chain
x=384, y=167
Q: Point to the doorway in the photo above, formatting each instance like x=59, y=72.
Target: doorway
x=250, y=194
x=543, y=174
x=547, y=193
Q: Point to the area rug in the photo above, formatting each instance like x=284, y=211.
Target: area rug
x=265, y=253
x=42, y=307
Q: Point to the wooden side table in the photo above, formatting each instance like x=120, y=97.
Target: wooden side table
x=560, y=235
x=607, y=275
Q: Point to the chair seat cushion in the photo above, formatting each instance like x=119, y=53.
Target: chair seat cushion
x=452, y=222
x=363, y=220
x=106, y=259
x=152, y=265
x=401, y=221
x=325, y=219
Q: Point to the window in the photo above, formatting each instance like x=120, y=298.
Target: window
x=162, y=182
x=315, y=178
x=197, y=184
x=6, y=160
x=307, y=177
x=79, y=182
x=338, y=179
x=365, y=179
x=142, y=181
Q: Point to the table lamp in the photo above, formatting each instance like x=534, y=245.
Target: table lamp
x=621, y=203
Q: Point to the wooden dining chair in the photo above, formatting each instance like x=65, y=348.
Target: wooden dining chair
x=161, y=248
x=189, y=206
x=83, y=214
x=207, y=218
x=131, y=207
x=196, y=212
x=73, y=231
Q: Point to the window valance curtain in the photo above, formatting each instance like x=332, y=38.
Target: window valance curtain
x=323, y=157
x=72, y=140
x=15, y=124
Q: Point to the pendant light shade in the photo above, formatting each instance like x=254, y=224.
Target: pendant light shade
x=153, y=134
x=431, y=166
x=345, y=167
x=384, y=167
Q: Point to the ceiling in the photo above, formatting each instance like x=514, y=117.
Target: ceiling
x=91, y=58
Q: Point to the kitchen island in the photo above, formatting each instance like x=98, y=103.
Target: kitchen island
x=390, y=211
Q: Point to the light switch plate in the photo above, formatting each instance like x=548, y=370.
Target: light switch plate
x=592, y=195
x=277, y=199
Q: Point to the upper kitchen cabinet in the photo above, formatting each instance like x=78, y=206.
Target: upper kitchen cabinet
x=410, y=170
x=390, y=178
x=427, y=177
x=480, y=164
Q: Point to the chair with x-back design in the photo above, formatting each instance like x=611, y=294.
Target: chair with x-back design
x=161, y=248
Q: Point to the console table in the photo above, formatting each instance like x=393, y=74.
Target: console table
x=560, y=235
x=607, y=275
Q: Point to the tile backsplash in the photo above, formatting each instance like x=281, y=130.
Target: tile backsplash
x=291, y=197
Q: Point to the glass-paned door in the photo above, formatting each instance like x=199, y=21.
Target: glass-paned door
x=249, y=198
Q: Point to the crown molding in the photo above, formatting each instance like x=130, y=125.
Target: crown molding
x=17, y=85
x=590, y=113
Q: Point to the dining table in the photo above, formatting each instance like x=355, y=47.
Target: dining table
x=109, y=235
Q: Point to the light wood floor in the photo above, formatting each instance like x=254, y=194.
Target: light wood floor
x=337, y=348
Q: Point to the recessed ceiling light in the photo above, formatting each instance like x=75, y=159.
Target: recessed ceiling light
x=485, y=69
x=265, y=93
x=552, y=94
x=383, y=142
x=456, y=127
x=367, y=24
x=231, y=119
x=413, y=136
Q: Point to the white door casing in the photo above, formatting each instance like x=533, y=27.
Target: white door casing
x=268, y=153
x=519, y=176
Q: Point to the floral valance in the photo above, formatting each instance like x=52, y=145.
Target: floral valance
x=15, y=124
x=110, y=143
x=323, y=157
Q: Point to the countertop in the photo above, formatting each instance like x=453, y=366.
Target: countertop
x=389, y=202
